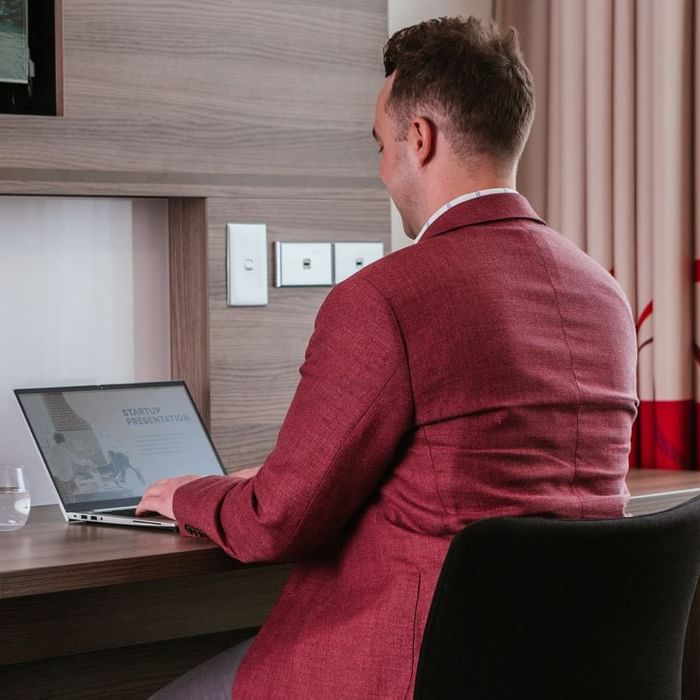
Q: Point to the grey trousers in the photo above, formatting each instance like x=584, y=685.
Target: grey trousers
x=211, y=680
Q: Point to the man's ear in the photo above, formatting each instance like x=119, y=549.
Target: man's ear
x=421, y=137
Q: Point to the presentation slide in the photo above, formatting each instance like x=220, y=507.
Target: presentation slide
x=108, y=444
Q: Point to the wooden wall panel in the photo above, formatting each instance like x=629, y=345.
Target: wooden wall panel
x=189, y=312
x=235, y=110
x=161, y=93
x=240, y=110
x=256, y=351
x=58, y=55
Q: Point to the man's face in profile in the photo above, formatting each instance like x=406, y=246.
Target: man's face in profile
x=394, y=168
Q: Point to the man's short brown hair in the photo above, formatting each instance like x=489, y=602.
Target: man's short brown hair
x=468, y=74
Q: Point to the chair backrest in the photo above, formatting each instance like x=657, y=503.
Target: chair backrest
x=545, y=609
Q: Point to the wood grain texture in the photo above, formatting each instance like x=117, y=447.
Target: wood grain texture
x=189, y=309
x=81, y=592
x=657, y=481
x=653, y=503
x=58, y=34
x=257, y=101
x=249, y=88
x=170, y=608
x=132, y=673
x=89, y=594
x=256, y=351
x=267, y=106
x=654, y=489
x=157, y=184
x=48, y=555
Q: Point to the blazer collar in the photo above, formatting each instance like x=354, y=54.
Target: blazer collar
x=482, y=210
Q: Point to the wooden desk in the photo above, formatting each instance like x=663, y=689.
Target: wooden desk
x=108, y=612
x=655, y=490
x=113, y=612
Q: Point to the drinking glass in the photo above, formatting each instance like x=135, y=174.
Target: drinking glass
x=14, y=497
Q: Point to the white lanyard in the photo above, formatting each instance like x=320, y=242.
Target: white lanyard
x=460, y=200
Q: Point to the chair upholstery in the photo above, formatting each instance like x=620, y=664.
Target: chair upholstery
x=537, y=608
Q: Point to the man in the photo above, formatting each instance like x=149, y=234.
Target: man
x=487, y=370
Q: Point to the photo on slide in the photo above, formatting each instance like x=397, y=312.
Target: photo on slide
x=14, y=47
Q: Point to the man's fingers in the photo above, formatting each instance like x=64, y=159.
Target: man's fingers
x=148, y=504
x=158, y=497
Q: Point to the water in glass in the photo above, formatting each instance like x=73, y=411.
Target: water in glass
x=14, y=498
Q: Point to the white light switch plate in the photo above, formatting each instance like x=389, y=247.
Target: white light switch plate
x=303, y=264
x=246, y=264
x=351, y=257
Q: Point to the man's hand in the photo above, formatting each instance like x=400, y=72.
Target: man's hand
x=246, y=473
x=158, y=497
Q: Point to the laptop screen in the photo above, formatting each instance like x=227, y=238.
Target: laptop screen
x=103, y=445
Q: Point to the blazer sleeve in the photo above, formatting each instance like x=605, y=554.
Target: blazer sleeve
x=346, y=420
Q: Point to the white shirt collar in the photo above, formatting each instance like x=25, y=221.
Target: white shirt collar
x=459, y=200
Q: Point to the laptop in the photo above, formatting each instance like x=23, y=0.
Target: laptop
x=103, y=445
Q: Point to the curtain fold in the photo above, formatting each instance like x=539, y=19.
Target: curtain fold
x=613, y=164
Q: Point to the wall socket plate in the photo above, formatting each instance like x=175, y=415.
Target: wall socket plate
x=301, y=264
x=246, y=264
x=349, y=258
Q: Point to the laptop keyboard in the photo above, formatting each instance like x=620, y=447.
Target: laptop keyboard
x=119, y=511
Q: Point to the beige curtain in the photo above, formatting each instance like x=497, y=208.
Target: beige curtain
x=613, y=164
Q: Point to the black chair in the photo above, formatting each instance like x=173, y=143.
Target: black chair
x=544, y=609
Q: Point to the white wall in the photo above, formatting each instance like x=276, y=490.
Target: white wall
x=84, y=299
x=402, y=13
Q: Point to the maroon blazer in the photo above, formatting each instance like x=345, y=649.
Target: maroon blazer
x=487, y=370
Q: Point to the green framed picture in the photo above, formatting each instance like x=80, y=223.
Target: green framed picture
x=14, y=47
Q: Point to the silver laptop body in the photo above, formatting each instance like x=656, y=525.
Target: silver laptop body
x=102, y=445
